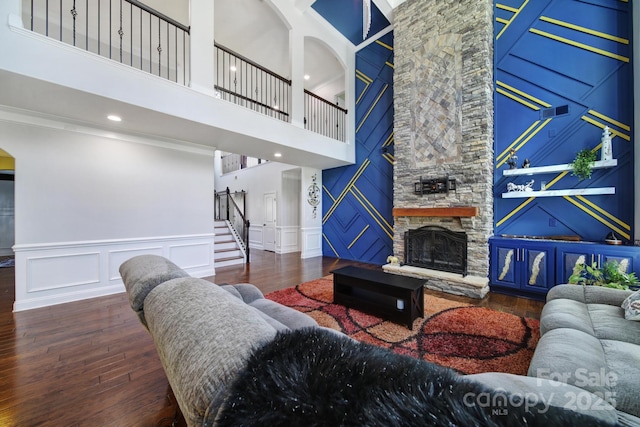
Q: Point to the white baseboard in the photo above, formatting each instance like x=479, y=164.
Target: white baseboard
x=50, y=274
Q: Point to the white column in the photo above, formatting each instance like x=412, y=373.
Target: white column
x=311, y=221
x=202, y=49
x=296, y=47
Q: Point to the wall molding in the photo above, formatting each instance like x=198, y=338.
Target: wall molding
x=55, y=273
x=287, y=239
x=311, y=238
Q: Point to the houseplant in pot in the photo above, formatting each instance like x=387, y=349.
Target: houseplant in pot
x=610, y=275
x=583, y=163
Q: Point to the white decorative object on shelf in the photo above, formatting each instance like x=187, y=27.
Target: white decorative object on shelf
x=606, y=152
x=511, y=187
x=556, y=193
x=557, y=168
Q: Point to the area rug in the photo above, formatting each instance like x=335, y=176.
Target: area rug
x=458, y=335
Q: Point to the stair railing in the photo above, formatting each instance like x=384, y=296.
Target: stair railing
x=227, y=209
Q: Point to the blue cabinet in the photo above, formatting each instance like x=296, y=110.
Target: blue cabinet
x=530, y=267
x=568, y=255
x=521, y=266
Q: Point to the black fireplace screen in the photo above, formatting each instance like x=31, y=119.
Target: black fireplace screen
x=436, y=248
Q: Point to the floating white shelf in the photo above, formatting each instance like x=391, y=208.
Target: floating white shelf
x=600, y=164
x=556, y=193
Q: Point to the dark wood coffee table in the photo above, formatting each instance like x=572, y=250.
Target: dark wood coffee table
x=390, y=296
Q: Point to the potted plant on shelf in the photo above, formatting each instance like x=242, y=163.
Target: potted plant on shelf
x=610, y=275
x=583, y=163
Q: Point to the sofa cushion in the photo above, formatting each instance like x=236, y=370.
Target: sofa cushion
x=608, y=368
x=588, y=294
x=552, y=393
x=600, y=320
x=204, y=336
x=141, y=274
x=289, y=317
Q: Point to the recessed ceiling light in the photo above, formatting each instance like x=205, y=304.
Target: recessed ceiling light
x=114, y=118
x=306, y=77
x=278, y=155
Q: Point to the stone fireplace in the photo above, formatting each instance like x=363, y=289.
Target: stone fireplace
x=443, y=130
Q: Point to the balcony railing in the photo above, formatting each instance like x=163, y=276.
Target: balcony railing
x=136, y=35
x=323, y=117
x=123, y=30
x=246, y=83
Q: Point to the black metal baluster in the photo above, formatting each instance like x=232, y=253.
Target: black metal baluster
x=110, y=26
x=131, y=32
x=159, y=48
x=120, y=31
x=74, y=14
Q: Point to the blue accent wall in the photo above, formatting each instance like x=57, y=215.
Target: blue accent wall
x=358, y=200
x=563, y=72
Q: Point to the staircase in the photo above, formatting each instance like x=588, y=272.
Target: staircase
x=226, y=249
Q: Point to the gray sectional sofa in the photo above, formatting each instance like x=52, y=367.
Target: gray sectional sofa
x=233, y=357
x=586, y=341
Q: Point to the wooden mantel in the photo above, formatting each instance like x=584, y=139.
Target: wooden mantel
x=460, y=211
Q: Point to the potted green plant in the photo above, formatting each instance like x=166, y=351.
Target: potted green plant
x=583, y=163
x=608, y=276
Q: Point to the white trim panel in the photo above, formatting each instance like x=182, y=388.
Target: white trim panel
x=256, y=237
x=287, y=239
x=50, y=274
x=311, y=242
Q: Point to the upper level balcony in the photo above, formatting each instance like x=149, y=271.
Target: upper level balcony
x=84, y=59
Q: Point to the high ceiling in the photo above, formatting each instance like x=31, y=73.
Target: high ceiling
x=347, y=17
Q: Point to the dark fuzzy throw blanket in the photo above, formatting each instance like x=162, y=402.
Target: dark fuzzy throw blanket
x=314, y=377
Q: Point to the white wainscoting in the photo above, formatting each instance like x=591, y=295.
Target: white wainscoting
x=311, y=242
x=256, y=238
x=51, y=274
x=287, y=239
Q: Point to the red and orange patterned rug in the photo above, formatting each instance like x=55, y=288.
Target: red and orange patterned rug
x=461, y=336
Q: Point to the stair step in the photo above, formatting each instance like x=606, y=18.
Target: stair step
x=224, y=262
x=221, y=246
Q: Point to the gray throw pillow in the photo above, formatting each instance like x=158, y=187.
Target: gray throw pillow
x=631, y=306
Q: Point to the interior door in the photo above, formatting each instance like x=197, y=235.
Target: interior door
x=269, y=230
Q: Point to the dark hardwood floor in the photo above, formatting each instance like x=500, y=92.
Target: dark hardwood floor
x=91, y=363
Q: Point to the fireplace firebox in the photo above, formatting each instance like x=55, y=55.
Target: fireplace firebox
x=436, y=248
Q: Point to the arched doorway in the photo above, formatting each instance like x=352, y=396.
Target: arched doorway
x=7, y=230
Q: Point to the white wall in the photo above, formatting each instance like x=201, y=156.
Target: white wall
x=87, y=200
